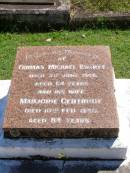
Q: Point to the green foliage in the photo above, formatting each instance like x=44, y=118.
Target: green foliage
x=118, y=40
x=103, y=5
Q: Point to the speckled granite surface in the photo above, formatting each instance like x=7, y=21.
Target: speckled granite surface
x=62, y=91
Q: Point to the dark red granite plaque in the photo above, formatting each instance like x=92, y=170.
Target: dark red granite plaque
x=62, y=92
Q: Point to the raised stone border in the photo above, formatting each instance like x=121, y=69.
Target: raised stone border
x=38, y=18
x=26, y=1
x=110, y=19
x=34, y=17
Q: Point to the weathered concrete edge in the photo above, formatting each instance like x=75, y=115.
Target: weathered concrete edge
x=111, y=15
x=64, y=7
x=82, y=18
x=58, y=166
x=65, y=16
x=34, y=19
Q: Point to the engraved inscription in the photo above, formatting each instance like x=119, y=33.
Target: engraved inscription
x=54, y=84
x=62, y=91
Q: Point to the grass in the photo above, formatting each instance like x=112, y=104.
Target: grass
x=103, y=5
x=118, y=40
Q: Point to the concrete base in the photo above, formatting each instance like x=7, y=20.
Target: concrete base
x=97, y=147
x=59, y=166
x=72, y=148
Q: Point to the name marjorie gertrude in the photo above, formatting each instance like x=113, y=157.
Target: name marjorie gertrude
x=64, y=101
x=62, y=67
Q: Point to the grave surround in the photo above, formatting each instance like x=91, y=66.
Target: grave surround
x=34, y=15
x=64, y=91
x=29, y=1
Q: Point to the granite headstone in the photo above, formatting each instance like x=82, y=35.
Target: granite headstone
x=62, y=91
